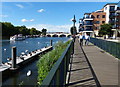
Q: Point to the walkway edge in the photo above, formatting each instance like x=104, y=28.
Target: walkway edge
x=93, y=73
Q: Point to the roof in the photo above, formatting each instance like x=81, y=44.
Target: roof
x=111, y=4
x=87, y=13
x=99, y=11
x=81, y=19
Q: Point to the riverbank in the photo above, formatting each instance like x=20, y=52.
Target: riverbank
x=29, y=44
x=7, y=69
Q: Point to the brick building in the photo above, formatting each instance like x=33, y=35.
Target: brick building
x=99, y=18
x=109, y=14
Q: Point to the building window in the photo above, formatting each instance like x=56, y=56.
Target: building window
x=117, y=14
x=97, y=22
x=103, y=16
x=92, y=16
x=98, y=16
x=112, y=8
x=106, y=8
x=103, y=22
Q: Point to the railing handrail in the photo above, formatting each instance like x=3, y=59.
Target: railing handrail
x=104, y=40
x=108, y=46
x=54, y=69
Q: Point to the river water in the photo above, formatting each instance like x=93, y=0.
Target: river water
x=29, y=44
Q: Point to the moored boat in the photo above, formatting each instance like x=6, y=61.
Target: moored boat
x=17, y=37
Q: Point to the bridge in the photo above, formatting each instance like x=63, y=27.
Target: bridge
x=86, y=66
x=58, y=34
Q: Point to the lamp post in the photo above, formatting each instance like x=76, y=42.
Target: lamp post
x=74, y=28
x=74, y=20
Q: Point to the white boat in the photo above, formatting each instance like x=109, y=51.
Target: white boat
x=17, y=37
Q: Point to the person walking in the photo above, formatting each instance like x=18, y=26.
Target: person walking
x=81, y=39
x=87, y=39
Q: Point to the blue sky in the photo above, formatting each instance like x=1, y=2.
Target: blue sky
x=55, y=16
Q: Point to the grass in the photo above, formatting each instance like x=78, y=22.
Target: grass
x=47, y=61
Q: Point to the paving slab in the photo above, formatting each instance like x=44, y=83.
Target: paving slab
x=80, y=74
x=105, y=66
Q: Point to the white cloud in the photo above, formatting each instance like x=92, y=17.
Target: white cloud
x=3, y=16
x=71, y=19
x=41, y=10
x=19, y=5
x=25, y=20
x=53, y=28
x=32, y=20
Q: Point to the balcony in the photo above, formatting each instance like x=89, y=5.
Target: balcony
x=88, y=24
x=112, y=22
x=87, y=18
x=88, y=29
x=112, y=9
x=112, y=15
x=117, y=14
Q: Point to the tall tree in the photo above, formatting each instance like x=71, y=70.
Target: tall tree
x=7, y=29
x=106, y=29
x=23, y=30
x=44, y=31
x=33, y=31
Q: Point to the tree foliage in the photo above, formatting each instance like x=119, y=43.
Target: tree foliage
x=73, y=30
x=106, y=29
x=44, y=31
x=9, y=29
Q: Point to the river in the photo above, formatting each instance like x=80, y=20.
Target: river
x=29, y=44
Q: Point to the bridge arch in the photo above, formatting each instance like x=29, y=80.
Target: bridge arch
x=55, y=35
x=68, y=36
x=62, y=35
x=48, y=35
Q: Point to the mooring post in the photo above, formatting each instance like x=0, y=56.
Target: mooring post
x=13, y=57
x=50, y=42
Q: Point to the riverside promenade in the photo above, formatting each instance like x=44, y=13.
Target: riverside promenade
x=90, y=66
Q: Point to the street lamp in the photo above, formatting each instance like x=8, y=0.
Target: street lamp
x=74, y=20
x=74, y=28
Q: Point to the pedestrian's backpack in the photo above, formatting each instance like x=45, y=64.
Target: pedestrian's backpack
x=83, y=37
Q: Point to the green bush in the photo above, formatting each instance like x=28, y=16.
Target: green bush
x=46, y=62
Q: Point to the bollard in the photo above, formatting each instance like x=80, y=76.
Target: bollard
x=50, y=42
x=13, y=57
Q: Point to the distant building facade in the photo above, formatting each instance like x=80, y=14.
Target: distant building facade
x=109, y=14
x=85, y=24
x=99, y=18
x=117, y=20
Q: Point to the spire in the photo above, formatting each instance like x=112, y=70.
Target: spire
x=74, y=17
x=74, y=20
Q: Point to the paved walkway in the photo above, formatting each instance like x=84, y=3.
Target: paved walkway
x=80, y=73
x=92, y=67
x=105, y=66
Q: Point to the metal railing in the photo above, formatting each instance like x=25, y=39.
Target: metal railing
x=57, y=75
x=109, y=46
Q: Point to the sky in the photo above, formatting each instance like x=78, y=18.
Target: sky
x=54, y=16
